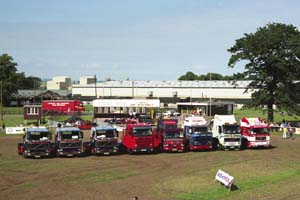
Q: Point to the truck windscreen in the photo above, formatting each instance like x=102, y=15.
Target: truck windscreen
x=199, y=129
x=231, y=129
x=170, y=126
x=105, y=134
x=260, y=130
x=142, y=131
x=70, y=135
x=38, y=135
x=172, y=135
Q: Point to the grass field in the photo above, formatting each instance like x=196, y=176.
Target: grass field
x=268, y=174
x=278, y=116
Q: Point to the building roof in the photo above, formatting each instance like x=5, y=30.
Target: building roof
x=172, y=84
x=37, y=93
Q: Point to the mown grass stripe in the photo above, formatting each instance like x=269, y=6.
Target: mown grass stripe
x=222, y=192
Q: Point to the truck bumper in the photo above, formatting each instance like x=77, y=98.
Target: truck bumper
x=106, y=151
x=69, y=152
x=258, y=144
x=200, y=147
x=36, y=154
x=142, y=150
x=228, y=146
x=173, y=149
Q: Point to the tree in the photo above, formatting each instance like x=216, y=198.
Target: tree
x=272, y=57
x=189, y=76
x=30, y=82
x=7, y=76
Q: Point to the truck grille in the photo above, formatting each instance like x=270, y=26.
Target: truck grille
x=105, y=143
x=260, y=138
x=70, y=145
x=143, y=142
x=232, y=139
x=38, y=146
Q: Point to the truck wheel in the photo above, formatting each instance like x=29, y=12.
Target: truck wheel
x=244, y=144
x=215, y=144
x=129, y=151
x=25, y=156
x=187, y=147
x=159, y=149
x=20, y=148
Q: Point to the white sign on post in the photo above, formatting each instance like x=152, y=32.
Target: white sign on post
x=224, y=178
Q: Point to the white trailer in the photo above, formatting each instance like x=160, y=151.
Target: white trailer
x=226, y=132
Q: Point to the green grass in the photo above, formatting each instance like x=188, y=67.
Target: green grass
x=278, y=116
x=99, y=176
x=13, y=110
x=220, y=192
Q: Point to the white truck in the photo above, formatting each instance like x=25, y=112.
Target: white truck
x=226, y=132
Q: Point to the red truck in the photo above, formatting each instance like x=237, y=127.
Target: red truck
x=140, y=138
x=255, y=132
x=172, y=137
x=62, y=106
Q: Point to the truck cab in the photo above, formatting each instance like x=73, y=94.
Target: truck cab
x=68, y=141
x=140, y=138
x=104, y=140
x=145, y=119
x=172, y=136
x=255, y=133
x=226, y=132
x=36, y=143
x=196, y=134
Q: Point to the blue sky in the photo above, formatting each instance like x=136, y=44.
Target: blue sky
x=135, y=39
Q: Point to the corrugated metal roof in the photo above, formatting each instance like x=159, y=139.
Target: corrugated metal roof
x=168, y=84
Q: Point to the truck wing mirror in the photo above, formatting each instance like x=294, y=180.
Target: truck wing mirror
x=81, y=134
x=220, y=129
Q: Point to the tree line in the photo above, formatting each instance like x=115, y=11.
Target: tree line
x=191, y=76
x=11, y=80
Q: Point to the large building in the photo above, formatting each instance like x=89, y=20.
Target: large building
x=59, y=83
x=166, y=91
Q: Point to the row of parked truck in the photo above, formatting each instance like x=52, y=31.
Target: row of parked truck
x=167, y=136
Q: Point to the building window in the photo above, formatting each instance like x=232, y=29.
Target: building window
x=32, y=111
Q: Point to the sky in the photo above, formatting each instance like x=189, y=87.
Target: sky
x=132, y=39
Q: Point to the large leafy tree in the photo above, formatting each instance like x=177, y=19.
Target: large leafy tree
x=272, y=61
x=12, y=80
x=8, y=77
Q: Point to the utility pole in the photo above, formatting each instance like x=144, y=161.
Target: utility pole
x=210, y=94
x=95, y=86
x=1, y=100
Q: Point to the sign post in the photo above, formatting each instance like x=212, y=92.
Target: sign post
x=225, y=179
